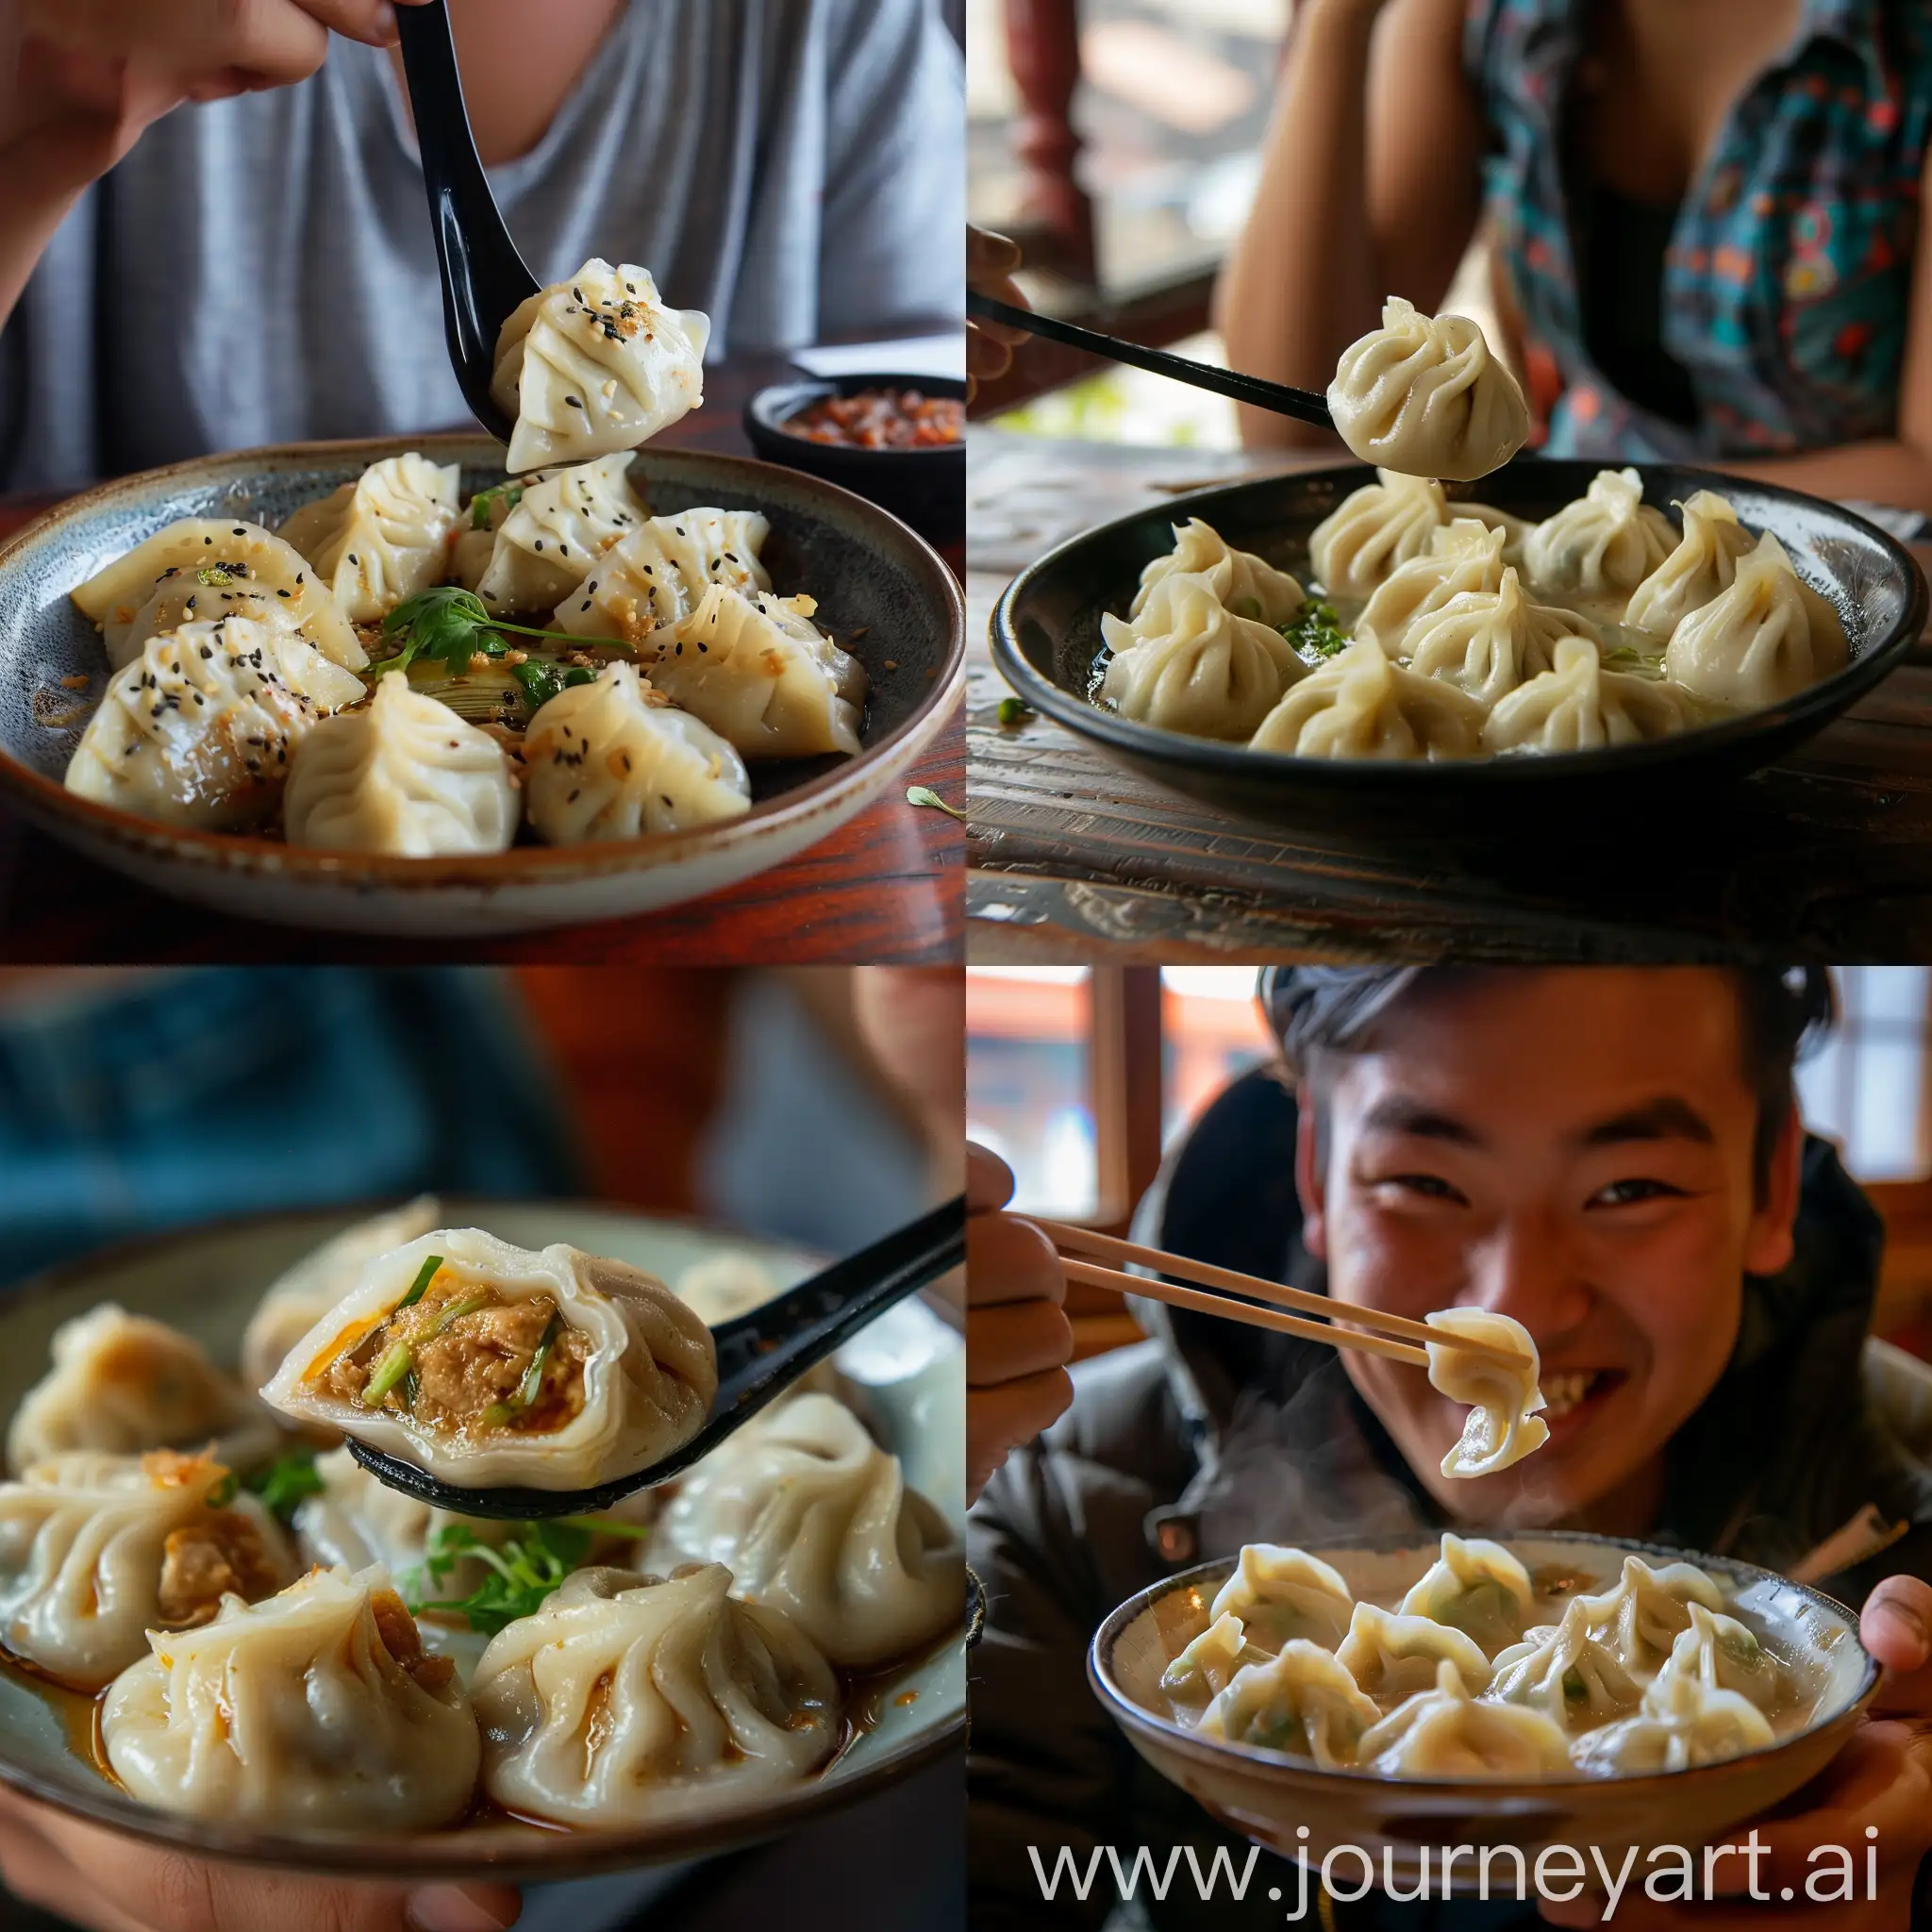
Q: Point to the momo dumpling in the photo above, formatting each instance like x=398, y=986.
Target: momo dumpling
x=382, y=538
x=1603, y=544
x=595, y=365
x=1373, y=529
x=1281, y=1593
x=1701, y=566
x=659, y=572
x=200, y=568
x=1476, y=1586
x=1445, y=1733
x=1646, y=1609
x=760, y=673
x=1722, y=1653
x=1392, y=1655
x=815, y=1519
x=292, y=1303
x=97, y=1550
x=197, y=730
x=1765, y=639
x=1423, y=394
x=1502, y=1397
x=1301, y=1700
x=403, y=776
x=1245, y=584
x=317, y=1709
x=1682, y=1724
x=724, y=1285
x=1486, y=642
x=1463, y=555
x=1363, y=704
x=560, y=528
x=625, y=1699
x=1567, y=1673
x=486, y=1364
x=615, y=759
x=1209, y=1663
x=125, y=1383
x=1578, y=706
x=1187, y=663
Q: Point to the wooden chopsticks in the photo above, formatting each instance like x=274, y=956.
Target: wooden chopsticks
x=1318, y=1318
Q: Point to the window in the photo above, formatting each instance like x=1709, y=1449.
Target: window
x=1211, y=1032
x=1866, y=1087
x=1029, y=1083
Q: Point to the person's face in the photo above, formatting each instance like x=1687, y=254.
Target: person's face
x=1571, y=1147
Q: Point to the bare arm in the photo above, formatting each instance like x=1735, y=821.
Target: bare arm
x=1369, y=188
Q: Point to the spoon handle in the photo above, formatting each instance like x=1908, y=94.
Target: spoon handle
x=1304, y=406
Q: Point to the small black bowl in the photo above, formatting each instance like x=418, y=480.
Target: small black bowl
x=925, y=488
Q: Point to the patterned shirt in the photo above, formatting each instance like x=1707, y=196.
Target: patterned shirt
x=1787, y=283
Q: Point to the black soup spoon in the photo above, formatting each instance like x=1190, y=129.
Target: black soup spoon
x=760, y=1356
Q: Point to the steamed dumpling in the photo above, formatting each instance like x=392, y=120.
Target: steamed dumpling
x=1682, y=1724
x=1373, y=529
x=1281, y=1593
x=1567, y=1673
x=759, y=672
x=295, y=1301
x=1187, y=663
x=1486, y=642
x=658, y=572
x=1208, y=1664
x=1392, y=1655
x=196, y=730
x=815, y=1519
x=562, y=525
x=1703, y=564
x=1604, y=543
x=403, y=776
x=616, y=760
x=1445, y=1733
x=624, y=1700
x=1767, y=638
x=595, y=365
x=1503, y=1398
x=1302, y=1701
x=317, y=1709
x=97, y=1550
x=1463, y=555
x=488, y=1364
x=1423, y=396
x=1646, y=1609
x=1245, y=584
x=1578, y=706
x=202, y=568
x=1363, y=704
x=382, y=538
x=1476, y=1586
x=1722, y=1653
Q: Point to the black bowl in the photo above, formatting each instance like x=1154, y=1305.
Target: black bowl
x=925, y=488
x=1046, y=639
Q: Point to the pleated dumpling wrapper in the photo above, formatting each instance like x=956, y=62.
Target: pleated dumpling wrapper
x=1486, y=642
x=1423, y=394
x=1300, y=1700
x=486, y=1364
x=597, y=364
x=382, y=538
x=1765, y=639
x=1476, y=1586
x=558, y=530
x=1576, y=704
x=658, y=574
x=1248, y=585
x=1647, y=1609
x=1392, y=1655
x=1281, y=1593
x=402, y=775
x=202, y=568
x=315, y=1710
x=197, y=728
x=1682, y=1726
x=1445, y=1733
x=628, y=1698
x=814, y=1519
x=1363, y=704
x=1566, y=1672
x=1603, y=544
x=1502, y=1396
x=1701, y=567
x=97, y=1550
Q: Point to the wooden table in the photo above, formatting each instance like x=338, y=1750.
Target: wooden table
x=1072, y=857
x=887, y=887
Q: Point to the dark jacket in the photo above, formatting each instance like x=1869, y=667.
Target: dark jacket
x=1210, y=1435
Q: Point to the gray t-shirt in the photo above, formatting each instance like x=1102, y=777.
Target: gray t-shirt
x=262, y=269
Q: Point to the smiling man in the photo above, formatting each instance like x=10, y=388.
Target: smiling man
x=1614, y=1159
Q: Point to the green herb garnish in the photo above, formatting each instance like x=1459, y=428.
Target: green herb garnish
x=424, y=1276
x=542, y=678
x=1014, y=712
x=286, y=1481
x=451, y=624
x=218, y=576
x=224, y=1492
x=532, y=1383
x=524, y=1569
x=397, y=1359
x=1573, y=1688
x=512, y=494
x=924, y=795
x=1315, y=632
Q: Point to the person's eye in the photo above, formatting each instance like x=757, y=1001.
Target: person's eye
x=1626, y=1192
x=1429, y=1186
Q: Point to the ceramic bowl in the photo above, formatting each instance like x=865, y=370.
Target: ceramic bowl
x=906, y=1370
x=1046, y=641
x=868, y=570
x=1268, y=1795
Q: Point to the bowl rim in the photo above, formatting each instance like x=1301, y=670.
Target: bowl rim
x=521, y=864
x=1822, y=701
x=761, y=408
x=1257, y=1758
x=411, y=1854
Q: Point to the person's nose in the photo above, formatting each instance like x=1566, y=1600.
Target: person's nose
x=1529, y=1268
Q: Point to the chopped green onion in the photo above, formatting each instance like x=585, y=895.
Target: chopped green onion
x=465, y=1305
x=533, y=1375
x=412, y=1386
x=542, y=678
x=391, y=1370
x=495, y=1416
x=224, y=1492
x=425, y=1276
x=1573, y=1686
x=1014, y=712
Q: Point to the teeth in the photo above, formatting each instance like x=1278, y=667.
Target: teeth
x=1564, y=1388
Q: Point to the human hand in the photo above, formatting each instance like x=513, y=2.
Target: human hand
x=1875, y=1795
x=108, y=1883
x=990, y=260
x=1017, y=1338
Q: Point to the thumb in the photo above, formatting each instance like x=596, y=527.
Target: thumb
x=1896, y=1628
x=989, y=1180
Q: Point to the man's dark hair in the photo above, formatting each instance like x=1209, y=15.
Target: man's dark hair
x=1316, y=1011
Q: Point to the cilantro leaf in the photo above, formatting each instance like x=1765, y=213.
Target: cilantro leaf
x=512, y=494
x=524, y=1569
x=451, y=625
x=1314, y=632
x=543, y=678
x=286, y=1481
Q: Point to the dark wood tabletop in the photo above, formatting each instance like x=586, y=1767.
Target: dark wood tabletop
x=1071, y=857
x=887, y=887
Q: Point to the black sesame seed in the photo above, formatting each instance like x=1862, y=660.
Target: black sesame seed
x=576, y=402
